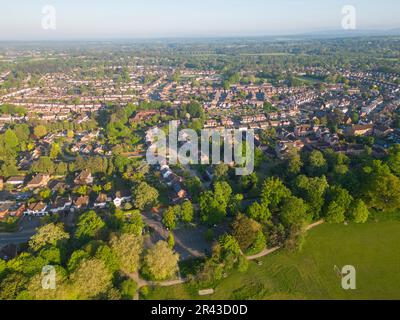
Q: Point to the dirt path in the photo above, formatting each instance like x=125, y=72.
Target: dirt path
x=142, y=282
x=267, y=251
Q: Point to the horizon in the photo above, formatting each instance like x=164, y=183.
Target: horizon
x=157, y=19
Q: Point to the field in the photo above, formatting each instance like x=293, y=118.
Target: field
x=373, y=249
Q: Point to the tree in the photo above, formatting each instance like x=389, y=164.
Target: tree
x=187, y=211
x=11, y=139
x=40, y=131
x=45, y=193
x=128, y=289
x=76, y=258
x=55, y=150
x=220, y=171
x=91, y=279
x=105, y=254
x=160, y=262
x=259, y=212
x=70, y=134
x=335, y=213
x=359, y=212
x=313, y=191
x=294, y=212
x=145, y=195
x=245, y=231
x=317, y=164
x=235, y=204
x=22, y=132
x=50, y=234
x=294, y=164
x=170, y=218
x=340, y=195
x=213, y=205
x=12, y=285
x=43, y=165
x=127, y=249
x=273, y=192
x=393, y=160
x=171, y=240
x=382, y=189
x=97, y=188
x=89, y=226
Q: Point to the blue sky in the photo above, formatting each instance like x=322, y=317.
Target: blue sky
x=78, y=19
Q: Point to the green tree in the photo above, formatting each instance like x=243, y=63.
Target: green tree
x=55, y=150
x=91, y=279
x=145, y=195
x=89, y=226
x=105, y=254
x=245, y=230
x=169, y=218
x=393, y=160
x=160, y=262
x=11, y=139
x=273, y=192
x=213, y=205
x=359, y=212
x=40, y=131
x=382, y=188
x=127, y=249
x=317, y=164
x=50, y=234
x=187, y=211
x=312, y=190
x=43, y=165
x=259, y=212
x=294, y=212
x=335, y=213
x=128, y=289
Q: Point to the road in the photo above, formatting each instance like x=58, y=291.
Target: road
x=27, y=231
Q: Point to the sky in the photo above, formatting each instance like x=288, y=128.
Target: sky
x=121, y=19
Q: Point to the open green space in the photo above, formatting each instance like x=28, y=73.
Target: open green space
x=372, y=248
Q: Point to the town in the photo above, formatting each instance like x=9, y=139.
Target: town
x=77, y=191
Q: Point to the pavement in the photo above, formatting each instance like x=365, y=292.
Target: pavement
x=27, y=228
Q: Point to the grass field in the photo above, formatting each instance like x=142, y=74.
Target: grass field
x=373, y=249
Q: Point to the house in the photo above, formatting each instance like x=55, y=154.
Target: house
x=4, y=209
x=382, y=131
x=16, y=180
x=84, y=178
x=57, y=185
x=359, y=130
x=39, y=181
x=17, y=210
x=37, y=209
x=81, y=202
x=121, y=197
x=101, y=201
x=180, y=192
x=302, y=131
x=60, y=205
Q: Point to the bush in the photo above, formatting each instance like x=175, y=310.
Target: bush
x=128, y=289
x=258, y=245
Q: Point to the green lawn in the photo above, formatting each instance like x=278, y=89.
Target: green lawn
x=373, y=249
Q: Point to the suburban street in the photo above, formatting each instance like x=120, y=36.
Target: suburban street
x=27, y=229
